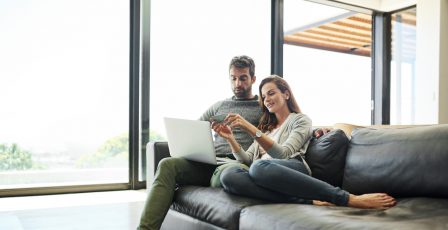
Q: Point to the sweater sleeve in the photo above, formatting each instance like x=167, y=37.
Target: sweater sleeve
x=211, y=111
x=296, y=142
x=246, y=157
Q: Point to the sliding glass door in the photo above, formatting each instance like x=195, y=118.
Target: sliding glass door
x=327, y=60
x=64, y=97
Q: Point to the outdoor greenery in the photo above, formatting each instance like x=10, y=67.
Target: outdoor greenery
x=113, y=153
x=12, y=157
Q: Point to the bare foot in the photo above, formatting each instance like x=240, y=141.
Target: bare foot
x=322, y=203
x=371, y=200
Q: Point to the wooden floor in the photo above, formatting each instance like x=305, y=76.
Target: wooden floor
x=101, y=210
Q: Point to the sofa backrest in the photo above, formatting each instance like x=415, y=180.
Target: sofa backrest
x=402, y=162
x=326, y=157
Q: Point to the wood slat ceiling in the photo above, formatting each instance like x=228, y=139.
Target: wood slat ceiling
x=350, y=34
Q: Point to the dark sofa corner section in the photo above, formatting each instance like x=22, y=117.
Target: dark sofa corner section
x=326, y=157
x=408, y=163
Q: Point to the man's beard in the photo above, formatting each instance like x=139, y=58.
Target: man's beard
x=242, y=93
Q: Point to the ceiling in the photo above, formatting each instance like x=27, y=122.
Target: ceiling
x=351, y=33
x=378, y=5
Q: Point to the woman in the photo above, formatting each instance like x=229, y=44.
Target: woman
x=278, y=171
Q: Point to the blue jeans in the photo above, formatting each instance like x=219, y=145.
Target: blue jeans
x=280, y=180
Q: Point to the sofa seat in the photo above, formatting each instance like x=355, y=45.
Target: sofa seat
x=212, y=205
x=410, y=213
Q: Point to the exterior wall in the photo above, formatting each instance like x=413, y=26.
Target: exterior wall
x=431, y=68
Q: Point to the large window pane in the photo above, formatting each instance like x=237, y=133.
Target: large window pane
x=403, y=67
x=327, y=61
x=64, y=75
x=192, y=43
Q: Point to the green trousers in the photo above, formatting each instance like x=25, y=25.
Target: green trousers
x=171, y=172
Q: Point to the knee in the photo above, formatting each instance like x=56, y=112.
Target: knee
x=258, y=169
x=233, y=179
x=168, y=164
x=164, y=163
x=227, y=176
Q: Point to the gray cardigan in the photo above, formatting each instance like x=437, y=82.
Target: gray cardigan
x=293, y=139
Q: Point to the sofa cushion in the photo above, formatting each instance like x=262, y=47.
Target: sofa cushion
x=326, y=157
x=211, y=205
x=409, y=213
x=402, y=162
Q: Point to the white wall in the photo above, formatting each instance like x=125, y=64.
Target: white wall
x=431, y=67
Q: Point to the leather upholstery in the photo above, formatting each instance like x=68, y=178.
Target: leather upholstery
x=155, y=152
x=326, y=157
x=410, y=213
x=180, y=221
x=212, y=205
x=402, y=162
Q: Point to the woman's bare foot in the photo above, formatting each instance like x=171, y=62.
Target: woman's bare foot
x=322, y=203
x=371, y=200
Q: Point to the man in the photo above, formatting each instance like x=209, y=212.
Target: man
x=177, y=171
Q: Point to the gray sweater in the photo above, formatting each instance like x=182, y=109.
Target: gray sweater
x=249, y=109
x=293, y=139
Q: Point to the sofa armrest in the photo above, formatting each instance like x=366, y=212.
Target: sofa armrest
x=155, y=152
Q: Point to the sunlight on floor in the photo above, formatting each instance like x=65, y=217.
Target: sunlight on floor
x=70, y=200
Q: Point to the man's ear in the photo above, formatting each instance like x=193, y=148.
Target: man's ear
x=254, y=78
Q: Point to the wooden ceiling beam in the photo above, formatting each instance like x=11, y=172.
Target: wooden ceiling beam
x=323, y=46
x=358, y=27
x=331, y=40
x=362, y=20
x=350, y=38
x=345, y=31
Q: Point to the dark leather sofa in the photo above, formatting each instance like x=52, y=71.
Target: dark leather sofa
x=409, y=163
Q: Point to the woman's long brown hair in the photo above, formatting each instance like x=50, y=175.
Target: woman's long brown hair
x=268, y=121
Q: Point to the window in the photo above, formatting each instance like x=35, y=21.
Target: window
x=191, y=47
x=403, y=67
x=65, y=93
x=327, y=61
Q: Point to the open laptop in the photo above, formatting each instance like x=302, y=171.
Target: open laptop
x=192, y=140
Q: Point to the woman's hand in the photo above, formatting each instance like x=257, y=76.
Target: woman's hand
x=236, y=120
x=222, y=130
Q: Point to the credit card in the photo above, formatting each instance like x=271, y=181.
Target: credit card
x=218, y=118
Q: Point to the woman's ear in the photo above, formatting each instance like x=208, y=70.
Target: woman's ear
x=287, y=95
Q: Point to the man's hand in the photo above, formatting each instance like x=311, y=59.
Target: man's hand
x=320, y=132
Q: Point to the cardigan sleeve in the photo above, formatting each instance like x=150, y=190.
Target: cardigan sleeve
x=298, y=136
x=246, y=157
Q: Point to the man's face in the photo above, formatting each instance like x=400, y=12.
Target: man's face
x=241, y=82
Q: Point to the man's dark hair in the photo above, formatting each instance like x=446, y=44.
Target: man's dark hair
x=243, y=61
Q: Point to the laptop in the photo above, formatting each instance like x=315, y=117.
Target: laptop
x=192, y=140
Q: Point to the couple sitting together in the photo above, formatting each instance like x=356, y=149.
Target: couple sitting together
x=269, y=137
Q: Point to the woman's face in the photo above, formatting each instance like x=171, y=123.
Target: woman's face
x=273, y=98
